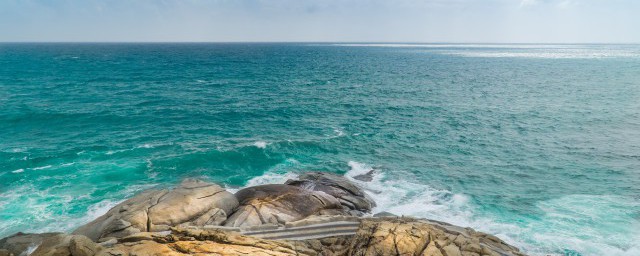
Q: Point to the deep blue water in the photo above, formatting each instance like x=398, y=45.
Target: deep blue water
x=538, y=144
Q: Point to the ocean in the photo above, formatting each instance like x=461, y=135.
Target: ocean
x=537, y=144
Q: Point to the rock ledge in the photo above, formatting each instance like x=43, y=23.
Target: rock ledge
x=317, y=214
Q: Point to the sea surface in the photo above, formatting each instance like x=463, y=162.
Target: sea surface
x=537, y=144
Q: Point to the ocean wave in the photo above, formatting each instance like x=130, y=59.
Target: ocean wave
x=554, y=234
x=586, y=224
x=142, y=146
x=261, y=144
x=518, y=46
x=402, y=197
x=38, y=211
x=577, y=53
x=395, y=196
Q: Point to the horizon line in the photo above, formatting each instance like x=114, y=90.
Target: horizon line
x=312, y=42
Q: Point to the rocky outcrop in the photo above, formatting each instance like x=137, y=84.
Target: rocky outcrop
x=374, y=236
x=278, y=204
x=406, y=236
x=49, y=244
x=351, y=197
x=193, y=202
x=317, y=214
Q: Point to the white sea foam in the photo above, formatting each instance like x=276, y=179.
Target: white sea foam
x=95, y=211
x=403, y=197
x=564, y=227
x=569, y=53
x=40, y=209
x=18, y=171
x=146, y=145
x=42, y=167
x=518, y=46
x=357, y=169
x=589, y=224
x=261, y=144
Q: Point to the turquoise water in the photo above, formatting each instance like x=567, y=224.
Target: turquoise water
x=538, y=144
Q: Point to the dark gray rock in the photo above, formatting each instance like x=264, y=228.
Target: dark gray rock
x=278, y=204
x=351, y=197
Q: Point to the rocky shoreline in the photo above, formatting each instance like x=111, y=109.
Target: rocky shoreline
x=315, y=214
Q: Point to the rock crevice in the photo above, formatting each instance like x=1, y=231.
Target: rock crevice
x=317, y=214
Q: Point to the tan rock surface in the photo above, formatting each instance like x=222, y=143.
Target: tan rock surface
x=190, y=216
x=49, y=244
x=193, y=202
x=406, y=236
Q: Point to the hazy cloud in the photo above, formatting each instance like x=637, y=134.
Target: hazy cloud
x=321, y=20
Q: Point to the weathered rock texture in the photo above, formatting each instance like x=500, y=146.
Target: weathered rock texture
x=49, y=244
x=193, y=202
x=314, y=215
x=375, y=236
x=278, y=204
x=352, y=198
x=406, y=236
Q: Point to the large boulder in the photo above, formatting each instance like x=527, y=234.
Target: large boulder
x=278, y=204
x=352, y=198
x=192, y=203
x=406, y=236
x=206, y=242
x=49, y=244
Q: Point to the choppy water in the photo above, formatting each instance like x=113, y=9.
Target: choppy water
x=539, y=144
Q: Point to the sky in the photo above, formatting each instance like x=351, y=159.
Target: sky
x=462, y=21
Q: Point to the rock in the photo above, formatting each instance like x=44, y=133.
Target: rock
x=20, y=243
x=142, y=236
x=365, y=177
x=142, y=248
x=49, y=244
x=307, y=214
x=406, y=236
x=193, y=202
x=315, y=220
x=83, y=246
x=109, y=242
x=278, y=204
x=385, y=214
x=349, y=195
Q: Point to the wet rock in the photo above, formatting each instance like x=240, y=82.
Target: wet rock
x=351, y=197
x=278, y=204
x=193, y=202
x=385, y=214
x=365, y=177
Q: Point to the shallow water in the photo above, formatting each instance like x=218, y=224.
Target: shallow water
x=538, y=144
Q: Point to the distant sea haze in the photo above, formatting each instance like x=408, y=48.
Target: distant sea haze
x=538, y=144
